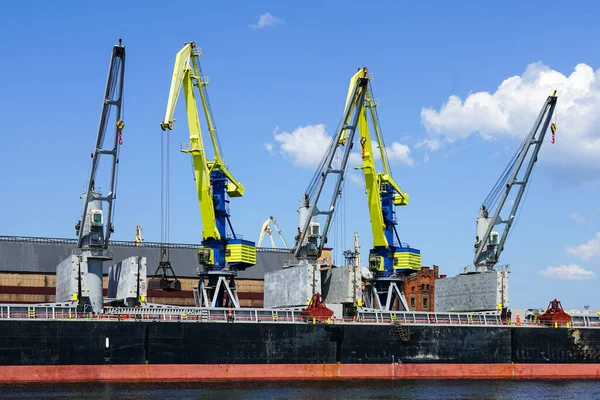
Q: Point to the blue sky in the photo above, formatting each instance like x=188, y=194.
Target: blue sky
x=293, y=73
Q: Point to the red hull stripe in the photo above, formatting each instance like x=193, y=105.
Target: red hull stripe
x=190, y=372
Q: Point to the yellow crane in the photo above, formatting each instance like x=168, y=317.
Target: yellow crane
x=221, y=253
x=389, y=256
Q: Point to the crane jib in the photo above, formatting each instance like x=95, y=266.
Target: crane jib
x=488, y=244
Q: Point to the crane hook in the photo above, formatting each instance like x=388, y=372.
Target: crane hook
x=120, y=126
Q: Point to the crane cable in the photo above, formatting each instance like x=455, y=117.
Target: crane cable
x=202, y=86
x=165, y=161
x=119, y=125
x=494, y=196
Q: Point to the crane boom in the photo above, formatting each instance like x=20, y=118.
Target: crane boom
x=279, y=231
x=92, y=232
x=214, y=183
x=388, y=256
x=308, y=245
x=267, y=229
x=488, y=244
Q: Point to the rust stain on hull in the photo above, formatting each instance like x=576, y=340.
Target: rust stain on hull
x=206, y=372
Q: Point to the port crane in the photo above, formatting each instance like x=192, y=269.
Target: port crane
x=93, y=234
x=93, y=228
x=310, y=240
x=489, y=244
x=389, y=259
x=220, y=255
x=267, y=229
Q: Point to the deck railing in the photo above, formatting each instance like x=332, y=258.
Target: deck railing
x=65, y=311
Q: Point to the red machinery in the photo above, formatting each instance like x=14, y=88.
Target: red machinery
x=555, y=314
x=317, y=309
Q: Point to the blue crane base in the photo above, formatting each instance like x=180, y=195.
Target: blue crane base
x=386, y=262
x=236, y=254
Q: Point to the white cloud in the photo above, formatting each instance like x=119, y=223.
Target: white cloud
x=578, y=219
x=269, y=147
x=355, y=178
x=355, y=160
x=587, y=250
x=426, y=157
x=432, y=144
x=511, y=110
x=571, y=272
x=399, y=152
x=305, y=145
x=267, y=20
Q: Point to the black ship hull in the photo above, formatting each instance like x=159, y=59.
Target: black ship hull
x=82, y=350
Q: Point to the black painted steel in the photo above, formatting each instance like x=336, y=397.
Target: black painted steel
x=39, y=342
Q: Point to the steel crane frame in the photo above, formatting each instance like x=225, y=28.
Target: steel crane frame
x=487, y=249
x=91, y=230
x=389, y=256
x=219, y=256
x=310, y=242
x=267, y=229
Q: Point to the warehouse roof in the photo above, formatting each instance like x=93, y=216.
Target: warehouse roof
x=42, y=255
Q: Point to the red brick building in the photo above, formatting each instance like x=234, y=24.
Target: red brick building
x=419, y=289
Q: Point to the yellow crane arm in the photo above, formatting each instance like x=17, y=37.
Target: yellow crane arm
x=373, y=179
x=182, y=66
x=372, y=182
x=182, y=74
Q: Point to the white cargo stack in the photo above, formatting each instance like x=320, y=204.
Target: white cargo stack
x=292, y=286
x=472, y=292
x=127, y=281
x=342, y=285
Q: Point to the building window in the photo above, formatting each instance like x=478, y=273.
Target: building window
x=427, y=286
x=422, y=286
x=425, y=303
x=412, y=302
x=413, y=288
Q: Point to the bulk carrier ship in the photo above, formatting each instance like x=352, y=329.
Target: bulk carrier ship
x=316, y=323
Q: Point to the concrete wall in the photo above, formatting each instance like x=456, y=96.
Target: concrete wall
x=472, y=292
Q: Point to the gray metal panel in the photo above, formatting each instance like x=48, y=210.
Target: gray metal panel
x=341, y=285
x=471, y=292
x=292, y=286
x=67, y=276
x=124, y=278
x=42, y=255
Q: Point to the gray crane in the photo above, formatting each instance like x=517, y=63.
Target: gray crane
x=93, y=233
x=488, y=243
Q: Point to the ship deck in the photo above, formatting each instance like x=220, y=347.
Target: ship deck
x=167, y=314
